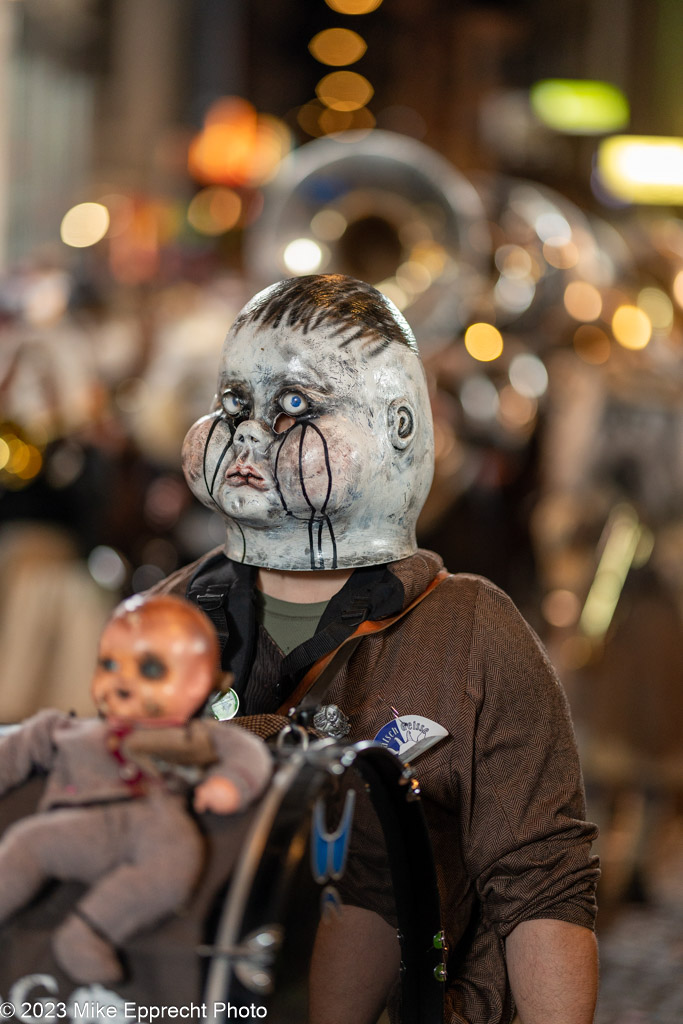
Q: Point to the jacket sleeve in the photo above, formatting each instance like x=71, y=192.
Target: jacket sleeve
x=527, y=841
x=27, y=747
x=242, y=757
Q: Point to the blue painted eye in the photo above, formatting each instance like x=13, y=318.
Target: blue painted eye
x=293, y=403
x=231, y=403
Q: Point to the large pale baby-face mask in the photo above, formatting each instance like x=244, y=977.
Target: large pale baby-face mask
x=319, y=451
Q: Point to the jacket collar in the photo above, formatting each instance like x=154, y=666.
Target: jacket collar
x=224, y=589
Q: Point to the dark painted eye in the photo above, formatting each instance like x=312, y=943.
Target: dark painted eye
x=293, y=403
x=232, y=404
x=152, y=667
x=108, y=664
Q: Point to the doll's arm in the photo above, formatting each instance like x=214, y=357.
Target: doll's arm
x=217, y=794
x=240, y=774
x=27, y=747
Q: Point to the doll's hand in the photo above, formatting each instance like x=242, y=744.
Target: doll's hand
x=218, y=795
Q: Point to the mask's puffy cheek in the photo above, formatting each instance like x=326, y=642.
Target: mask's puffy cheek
x=201, y=448
x=192, y=452
x=316, y=471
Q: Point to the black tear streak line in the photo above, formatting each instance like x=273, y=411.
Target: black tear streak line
x=326, y=518
x=219, y=463
x=311, y=519
x=213, y=482
x=310, y=540
x=209, y=489
x=301, y=468
x=328, y=465
x=333, y=540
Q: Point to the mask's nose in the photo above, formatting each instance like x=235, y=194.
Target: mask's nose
x=251, y=436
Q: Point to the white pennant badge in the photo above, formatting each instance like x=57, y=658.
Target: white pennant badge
x=408, y=736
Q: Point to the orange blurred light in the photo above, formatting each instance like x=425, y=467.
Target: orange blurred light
x=563, y=257
x=516, y=411
x=678, y=288
x=214, y=210
x=32, y=464
x=483, y=342
x=220, y=153
x=272, y=142
x=332, y=121
x=592, y=345
x=237, y=146
x=134, y=254
x=344, y=90
x=308, y=118
x=631, y=327
x=337, y=46
x=353, y=6
x=582, y=300
x=561, y=608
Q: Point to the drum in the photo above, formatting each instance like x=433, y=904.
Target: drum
x=339, y=824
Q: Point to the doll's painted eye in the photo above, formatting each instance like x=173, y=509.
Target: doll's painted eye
x=293, y=403
x=152, y=667
x=108, y=664
x=232, y=403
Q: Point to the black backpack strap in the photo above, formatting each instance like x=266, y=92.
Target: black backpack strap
x=223, y=589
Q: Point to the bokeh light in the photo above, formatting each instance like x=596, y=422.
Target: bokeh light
x=214, y=210
x=528, y=375
x=513, y=261
x=631, y=327
x=84, y=225
x=329, y=224
x=479, y=398
x=658, y=306
x=237, y=146
x=642, y=169
x=582, y=301
x=553, y=228
x=579, y=107
x=332, y=121
x=517, y=412
x=107, y=567
x=337, y=46
x=344, y=90
x=677, y=288
x=561, y=608
x=353, y=6
x=484, y=342
x=303, y=256
x=563, y=257
x=592, y=344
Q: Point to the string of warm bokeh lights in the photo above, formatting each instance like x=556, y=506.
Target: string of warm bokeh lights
x=342, y=96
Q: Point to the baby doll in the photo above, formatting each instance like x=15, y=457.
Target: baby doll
x=113, y=814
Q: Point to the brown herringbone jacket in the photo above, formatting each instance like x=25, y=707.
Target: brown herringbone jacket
x=503, y=793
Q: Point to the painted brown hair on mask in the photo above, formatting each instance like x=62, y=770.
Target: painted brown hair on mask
x=314, y=300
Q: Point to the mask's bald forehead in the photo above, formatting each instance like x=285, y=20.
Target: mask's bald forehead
x=258, y=354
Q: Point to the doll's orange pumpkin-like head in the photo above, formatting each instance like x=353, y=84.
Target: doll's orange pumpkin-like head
x=158, y=660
